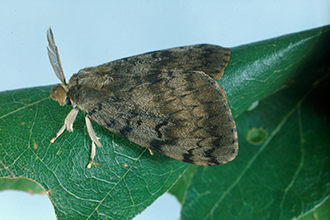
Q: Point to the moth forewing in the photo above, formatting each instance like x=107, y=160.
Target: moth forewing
x=166, y=101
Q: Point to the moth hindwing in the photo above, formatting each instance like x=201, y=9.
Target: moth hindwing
x=167, y=101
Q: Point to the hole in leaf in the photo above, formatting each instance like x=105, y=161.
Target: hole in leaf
x=257, y=136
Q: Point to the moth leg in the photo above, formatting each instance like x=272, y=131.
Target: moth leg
x=95, y=140
x=151, y=152
x=68, y=123
x=89, y=165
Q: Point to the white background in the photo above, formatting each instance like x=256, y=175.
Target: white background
x=89, y=33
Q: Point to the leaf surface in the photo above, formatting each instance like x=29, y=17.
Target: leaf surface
x=126, y=181
x=282, y=170
x=277, y=90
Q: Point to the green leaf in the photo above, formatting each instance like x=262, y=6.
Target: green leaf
x=20, y=184
x=257, y=70
x=285, y=176
x=180, y=188
x=320, y=212
x=282, y=170
x=126, y=181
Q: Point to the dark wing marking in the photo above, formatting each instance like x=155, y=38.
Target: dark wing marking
x=170, y=107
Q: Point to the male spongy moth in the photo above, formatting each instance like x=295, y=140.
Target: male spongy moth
x=167, y=101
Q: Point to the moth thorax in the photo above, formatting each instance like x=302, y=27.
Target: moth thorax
x=58, y=93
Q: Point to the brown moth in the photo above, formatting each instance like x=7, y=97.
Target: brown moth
x=166, y=101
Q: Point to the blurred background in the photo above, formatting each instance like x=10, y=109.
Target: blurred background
x=92, y=33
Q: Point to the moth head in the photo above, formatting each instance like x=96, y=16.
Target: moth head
x=58, y=93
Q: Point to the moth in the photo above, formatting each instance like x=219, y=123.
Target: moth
x=166, y=101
